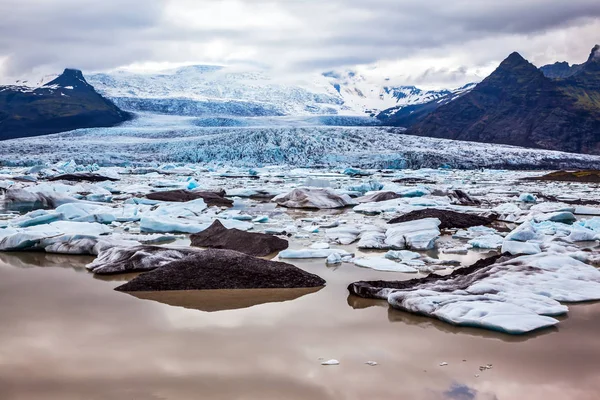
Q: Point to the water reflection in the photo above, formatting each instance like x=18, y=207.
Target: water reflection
x=220, y=300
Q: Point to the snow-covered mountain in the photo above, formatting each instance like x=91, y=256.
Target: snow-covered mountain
x=215, y=90
x=207, y=90
x=360, y=94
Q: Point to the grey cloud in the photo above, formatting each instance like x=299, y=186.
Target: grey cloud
x=99, y=35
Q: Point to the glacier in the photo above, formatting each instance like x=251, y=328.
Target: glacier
x=152, y=140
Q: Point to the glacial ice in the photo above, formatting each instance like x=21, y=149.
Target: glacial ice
x=416, y=235
x=311, y=253
x=324, y=198
x=383, y=264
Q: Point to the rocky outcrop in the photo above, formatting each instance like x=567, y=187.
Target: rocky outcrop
x=518, y=105
x=222, y=269
x=210, y=198
x=66, y=103
x=449, y=219
x=254, y=244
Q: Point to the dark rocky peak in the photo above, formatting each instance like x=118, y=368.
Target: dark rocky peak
x=70, y=79
x=594, y=55
x=513, y=74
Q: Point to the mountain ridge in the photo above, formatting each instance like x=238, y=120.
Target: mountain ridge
x=65, y=103
x=519, y=105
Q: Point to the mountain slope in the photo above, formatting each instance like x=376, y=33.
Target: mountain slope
x=66, y=103
x=360, y=94
x=408, y=115
x=518, y=105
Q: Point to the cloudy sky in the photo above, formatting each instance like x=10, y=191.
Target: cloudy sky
x=425, y=42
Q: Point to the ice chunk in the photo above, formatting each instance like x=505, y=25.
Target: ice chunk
x=515, y=248
x=566, y=217
x=492, y=241
x=383, y=264
x=527, y=198
x=551, y=207
x=311, y=253
x=344, y=234
x=583, y=210
x=403, y=255
x=314, y=198
x=417, y=235
x=373, y=239
x=334, y=258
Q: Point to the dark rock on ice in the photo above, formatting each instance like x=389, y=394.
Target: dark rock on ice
x=586, y=176
x=460, y=197
x=450, y=219
x=222, y=269
x=254, y=244
x=378, y=196
x=210, y=198
x=83, y=177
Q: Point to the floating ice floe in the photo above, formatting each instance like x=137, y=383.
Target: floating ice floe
x=344, y=234
x=334, y=258
x=320, y=198
x=373, y=238
x=153, y=224
x=527, y=198
x=584, y=210
x=383, y=264
x=21, y=198
x=566, y=217
x=64, y=237
x=311, y=253
x=416, y=235
x=515, y=296
x=492, y=241
x=546, y=231
x=474, y=232
x=516, y=248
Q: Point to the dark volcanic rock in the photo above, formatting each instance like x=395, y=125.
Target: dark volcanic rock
x=64, y=104
x=460, y=197
x=122, y=260
x=254, y=244
x=589, y=176
x=379, y=196
x=518, y=105
x=222, y=269
x=450, y=219
x=181, y=195
x=83, y=177
x=413, y=180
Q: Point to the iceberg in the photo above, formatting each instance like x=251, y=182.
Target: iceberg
x=514, y=296
x=320, y=198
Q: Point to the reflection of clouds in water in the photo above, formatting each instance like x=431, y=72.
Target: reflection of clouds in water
x=71, y=335
x=460, y=392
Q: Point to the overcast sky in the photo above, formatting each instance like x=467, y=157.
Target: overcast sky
x=425, y=42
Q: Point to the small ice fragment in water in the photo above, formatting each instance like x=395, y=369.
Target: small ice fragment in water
x=334, y=258
x=330, y=362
